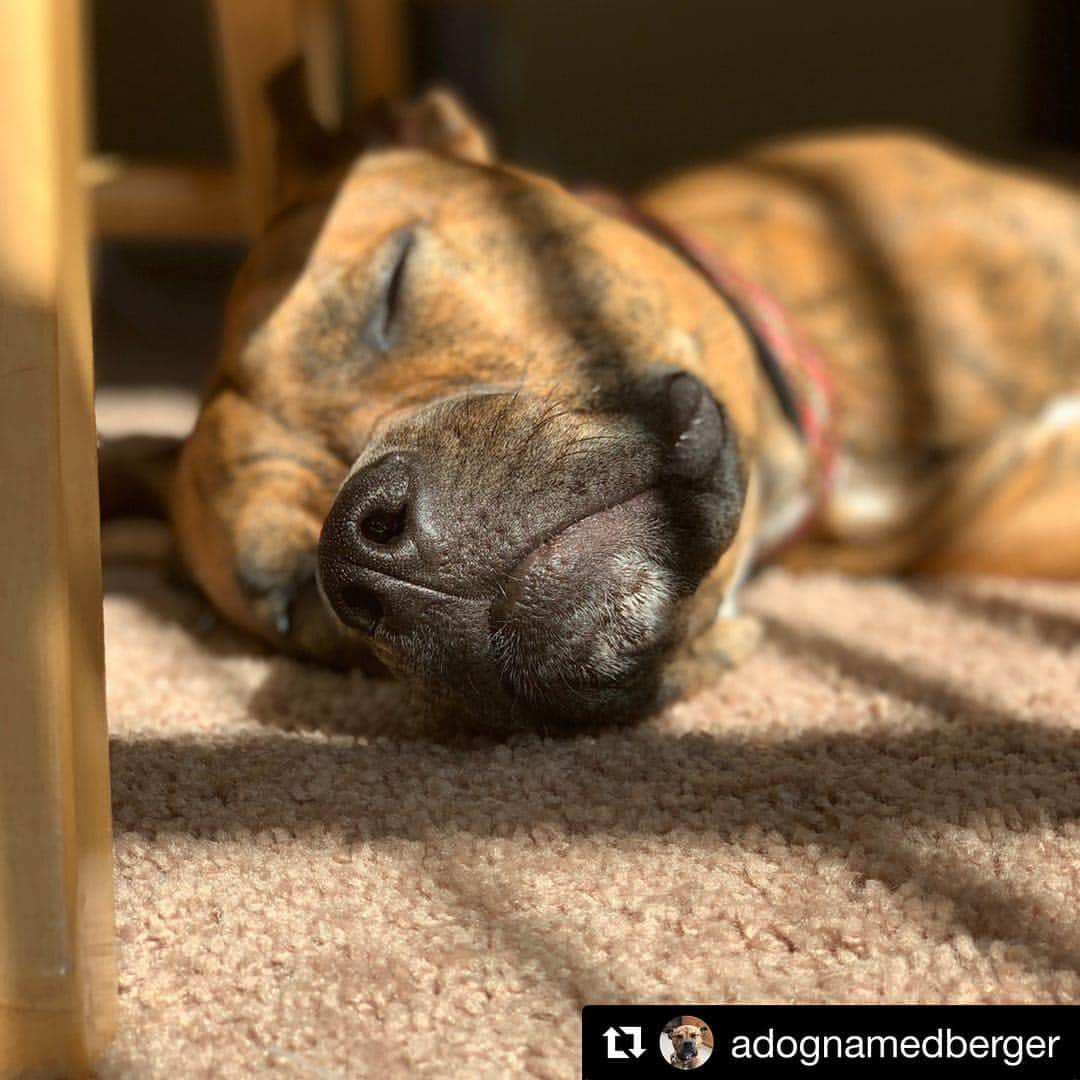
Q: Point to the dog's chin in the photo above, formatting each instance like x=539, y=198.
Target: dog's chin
x=585, y=618
x=519, y=688
x=557, y=711
x=576, y=638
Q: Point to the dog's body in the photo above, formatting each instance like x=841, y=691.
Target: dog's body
x=537, y=445
x=943, y=297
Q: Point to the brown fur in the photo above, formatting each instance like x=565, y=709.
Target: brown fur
x=944, y=295
x=687, y=1037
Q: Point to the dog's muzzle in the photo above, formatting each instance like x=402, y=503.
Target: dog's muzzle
x=517, y=576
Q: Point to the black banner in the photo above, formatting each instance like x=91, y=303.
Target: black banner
x=820, y=1042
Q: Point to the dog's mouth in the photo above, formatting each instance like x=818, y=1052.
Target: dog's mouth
x=686, y=1052
x=586, y=608
x=567, y=543
x=561, y=542
x=586, y=616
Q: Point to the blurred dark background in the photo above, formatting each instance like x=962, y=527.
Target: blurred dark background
x=615, y=91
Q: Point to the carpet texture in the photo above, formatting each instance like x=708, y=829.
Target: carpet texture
x=315, y=880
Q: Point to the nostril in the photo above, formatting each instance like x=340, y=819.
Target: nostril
x=383, y=526
x=359, y=607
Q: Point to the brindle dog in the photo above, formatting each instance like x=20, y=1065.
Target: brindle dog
x=525, y=453
x=687, y=1042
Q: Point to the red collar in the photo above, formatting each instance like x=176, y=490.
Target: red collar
x=787, y=357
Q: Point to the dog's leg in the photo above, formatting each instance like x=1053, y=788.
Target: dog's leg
x=729, y=641
x=1010, y=507
x=135, y=475
x=247, y=503
x=720, y=637
x=702, y=659
x=1020, y=500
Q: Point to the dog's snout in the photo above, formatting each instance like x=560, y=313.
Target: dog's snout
x=528, y=561
x=358, y=606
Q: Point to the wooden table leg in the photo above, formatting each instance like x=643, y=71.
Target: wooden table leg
x=57, y=962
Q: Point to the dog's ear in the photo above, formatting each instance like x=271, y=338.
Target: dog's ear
x=436, y=120
x=308, y=153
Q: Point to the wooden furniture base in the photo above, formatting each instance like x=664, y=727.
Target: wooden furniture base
x=57, y=968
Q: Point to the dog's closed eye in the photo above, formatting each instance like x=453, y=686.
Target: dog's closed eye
x=382, y=328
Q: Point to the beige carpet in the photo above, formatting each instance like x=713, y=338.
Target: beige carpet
x=312, y=881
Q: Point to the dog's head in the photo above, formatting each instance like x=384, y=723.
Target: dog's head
x=687, y=1041
x=514, y=429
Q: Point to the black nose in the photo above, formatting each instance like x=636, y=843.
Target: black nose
x=375, y=500
x=368, y=545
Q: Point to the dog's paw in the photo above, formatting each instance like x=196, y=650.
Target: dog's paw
x=728, y=641
x=702, y=660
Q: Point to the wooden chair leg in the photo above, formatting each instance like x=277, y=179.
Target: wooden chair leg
x=57, y=965
x=378, y=49
x=255, y=38
x=319, y=30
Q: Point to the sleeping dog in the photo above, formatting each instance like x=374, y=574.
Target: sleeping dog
x=523, y=444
